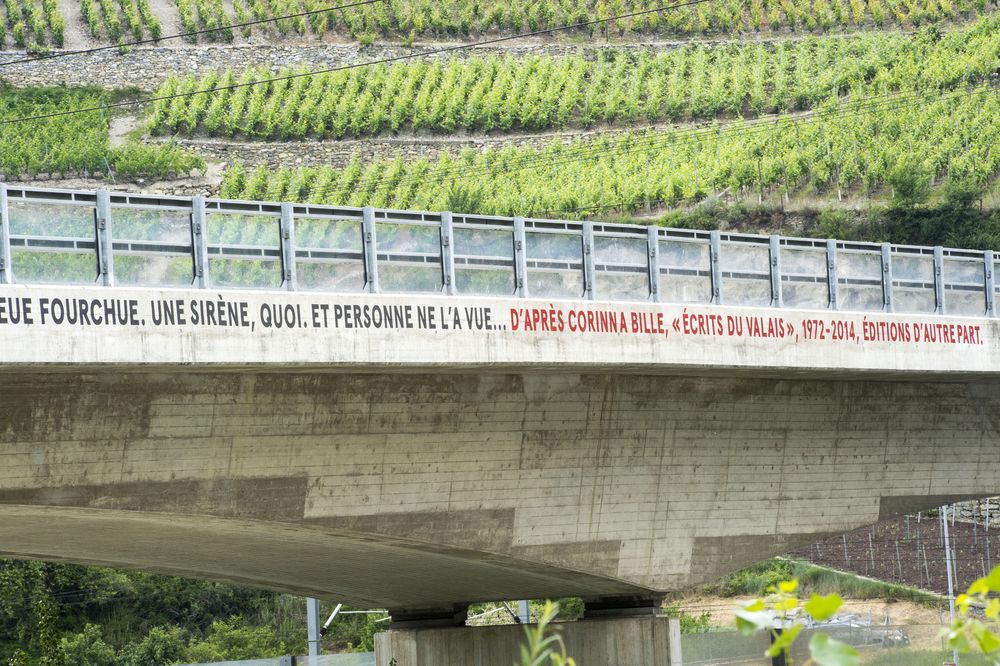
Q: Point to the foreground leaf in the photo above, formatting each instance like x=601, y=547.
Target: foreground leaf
x=823, y=608
x=748, y=622
x=784, y=640
x=789, y=586
x=826, y=651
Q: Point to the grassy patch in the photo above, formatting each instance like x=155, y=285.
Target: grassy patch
x=754, y=581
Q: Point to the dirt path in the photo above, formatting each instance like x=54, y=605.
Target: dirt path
x=120, y=128
x=76, y=34
x=170, y=20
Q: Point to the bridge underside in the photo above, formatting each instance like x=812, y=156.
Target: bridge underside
x=419, y=490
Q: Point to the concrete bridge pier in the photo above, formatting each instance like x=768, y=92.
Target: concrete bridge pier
x=620, y=631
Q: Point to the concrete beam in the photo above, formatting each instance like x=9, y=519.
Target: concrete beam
x=423, y=490
x=649, y=641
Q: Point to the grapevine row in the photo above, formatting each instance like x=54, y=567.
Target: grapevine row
x=34, y=25
x=75, y=144
x=459, y=18
x=502, y=94
x=120, y=20
x=954, y=134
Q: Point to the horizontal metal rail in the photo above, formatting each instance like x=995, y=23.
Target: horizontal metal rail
x=55, y=236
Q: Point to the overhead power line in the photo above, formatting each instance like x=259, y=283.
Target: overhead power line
x=329, y=70
x=642, y=144
x=179, y=35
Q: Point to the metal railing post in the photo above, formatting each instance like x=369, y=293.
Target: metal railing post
x=989, y=284
x=887, y=278
x=448, y=253
x=313, y=634
x=938, y=279
x=774, y=248
x=520, y=259
x=199, y=242
x=831, y=273
x=371, y=258
x=6, y=267
x=715, y=249
x=653, y=252
x=287, y=223
x=105, y=257
x=588, y=260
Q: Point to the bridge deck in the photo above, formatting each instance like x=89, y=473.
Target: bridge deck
x=53, y=236
x=522, y=408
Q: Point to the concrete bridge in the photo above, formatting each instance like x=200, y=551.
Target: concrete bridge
x=422, y=410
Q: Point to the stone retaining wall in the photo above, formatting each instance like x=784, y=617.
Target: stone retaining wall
x=146, y=68
x=978, y=510
x=278, y=154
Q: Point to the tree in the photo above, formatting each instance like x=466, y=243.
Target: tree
x=162, y=645
x=47, y=619
x=911, y=185
x=87, y=648
x=961, y=192
x=233, y=639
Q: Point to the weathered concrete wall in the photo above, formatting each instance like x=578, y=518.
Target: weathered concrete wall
x=424, y=466
x=645, y=641
x=424, y=489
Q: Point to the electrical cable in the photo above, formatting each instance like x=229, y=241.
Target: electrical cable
x=340, y=68
x=643, y=144
x=683, y=136
x=179, y=35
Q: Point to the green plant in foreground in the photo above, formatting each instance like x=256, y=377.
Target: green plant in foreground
x=774, y=615
x=969, y=633
x=543, y=647
x=966, y=634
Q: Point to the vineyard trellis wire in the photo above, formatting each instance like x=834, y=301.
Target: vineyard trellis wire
x=90, y=17
x=657, y=140
x=386, y=60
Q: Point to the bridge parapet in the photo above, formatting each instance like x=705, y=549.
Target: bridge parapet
x=111, y=238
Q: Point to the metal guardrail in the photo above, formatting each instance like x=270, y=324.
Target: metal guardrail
x=51, y=236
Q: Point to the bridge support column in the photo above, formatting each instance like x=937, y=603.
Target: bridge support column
x=610, y=635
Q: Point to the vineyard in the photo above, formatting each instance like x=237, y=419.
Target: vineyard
x=34, y=25
x=75, y=144
x=463, y=19
x=841, y=146
x=38, y=25
x=537, y=93
x=122, y=21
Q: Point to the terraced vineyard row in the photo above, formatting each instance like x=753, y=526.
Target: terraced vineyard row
x=842, y=146
x=121, y=21
x=76, y=143
x=461, y=18
x=32, y=24
x=38, y=24
x=537, y=93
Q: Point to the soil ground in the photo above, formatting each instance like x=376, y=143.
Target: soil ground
x=910, y=551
